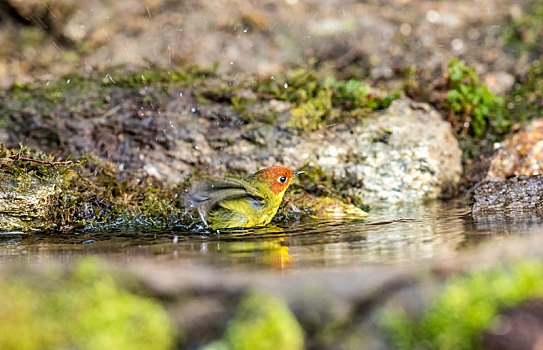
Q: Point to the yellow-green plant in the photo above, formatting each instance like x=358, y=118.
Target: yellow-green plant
x=473, y=107
x=456, y=319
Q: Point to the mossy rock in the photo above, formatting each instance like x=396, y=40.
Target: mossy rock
x=328, y=208
x=524, y=32
x=42, y=196
x=262, y=322
x=85, y=309
x=23, y=210
x=28, y=190
x=468, y=305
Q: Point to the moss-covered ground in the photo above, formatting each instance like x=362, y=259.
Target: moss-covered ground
x=315, y=94
x=524, y=31
x=85, y=309
x=261, y=322
x=468, y=305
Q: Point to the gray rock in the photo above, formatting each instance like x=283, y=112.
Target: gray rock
x=519, y=196
x=404, y=153
x=26, y=208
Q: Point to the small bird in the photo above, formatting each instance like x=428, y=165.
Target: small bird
x=251, y=202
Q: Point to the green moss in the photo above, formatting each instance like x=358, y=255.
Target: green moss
x=99, y=200
x=155, y=77
x=33, y=185
x=85, y=309
x=30, y=37
x=312, y=114
x=22, y=174
x=473, y=108
x=72, y=91
x=478, y=116
x=320, y=183
x=321, y=99
x=95, y=196
x=466, y=307
x=327, y=207
x=525, y=32
x=526, y=100
x=261, y=322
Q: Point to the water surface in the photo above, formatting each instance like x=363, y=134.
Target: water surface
x=435, y=230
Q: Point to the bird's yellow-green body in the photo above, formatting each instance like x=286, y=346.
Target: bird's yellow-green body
x=244, y=203
x=245, y=212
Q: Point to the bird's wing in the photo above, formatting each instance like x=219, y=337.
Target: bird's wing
x=207, y=195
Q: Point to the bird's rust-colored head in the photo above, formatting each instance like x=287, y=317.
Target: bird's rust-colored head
x=278, y=177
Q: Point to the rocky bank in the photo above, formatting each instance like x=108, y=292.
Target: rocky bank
x=404, y=153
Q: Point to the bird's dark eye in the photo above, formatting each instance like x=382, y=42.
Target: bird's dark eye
x=282, y=179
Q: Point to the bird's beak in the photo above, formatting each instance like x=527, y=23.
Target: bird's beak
x=296, y=173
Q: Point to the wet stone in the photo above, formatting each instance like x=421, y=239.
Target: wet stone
x=516, y=196
x=26, y=209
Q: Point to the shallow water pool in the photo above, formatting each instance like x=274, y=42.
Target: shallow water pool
x=434, y=230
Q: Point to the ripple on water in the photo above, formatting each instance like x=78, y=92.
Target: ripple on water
x=437, y=230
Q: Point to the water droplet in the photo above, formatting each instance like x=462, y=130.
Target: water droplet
x=285, y=85
x=405, y=29
x=457, y=45
x=110, y=78
x=193, y=109
x=68, y=81
x=432, y=16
